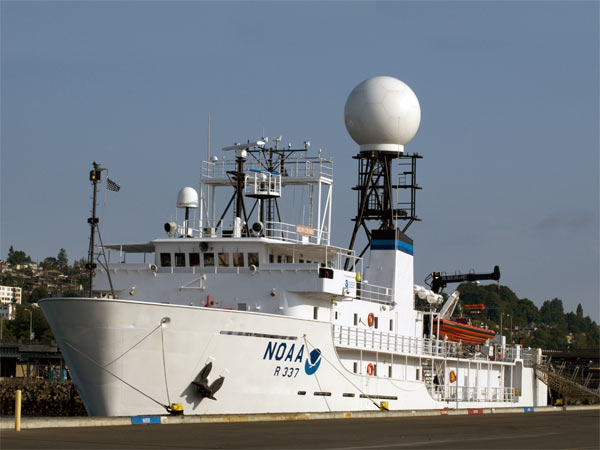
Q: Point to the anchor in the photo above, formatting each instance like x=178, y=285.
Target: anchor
x=202, y=386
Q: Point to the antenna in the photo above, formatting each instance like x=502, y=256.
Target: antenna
x=382, y=127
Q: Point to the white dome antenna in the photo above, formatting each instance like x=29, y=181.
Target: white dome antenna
x=382, y=114
x=187, y=198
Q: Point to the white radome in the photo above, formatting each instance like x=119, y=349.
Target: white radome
x=187, y=198
x=382, y=114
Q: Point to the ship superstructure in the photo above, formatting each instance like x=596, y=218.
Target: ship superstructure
x=245, y=306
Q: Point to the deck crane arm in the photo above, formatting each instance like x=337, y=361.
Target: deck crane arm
x=438, y=281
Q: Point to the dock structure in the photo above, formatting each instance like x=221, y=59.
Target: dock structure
x=32, y=359
x=574, y=375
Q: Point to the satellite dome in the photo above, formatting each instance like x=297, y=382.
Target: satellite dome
x=187, y=198
x=382, y=114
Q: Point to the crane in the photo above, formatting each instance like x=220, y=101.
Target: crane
x=438, y=281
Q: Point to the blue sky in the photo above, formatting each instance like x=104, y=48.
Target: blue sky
x=509, y=132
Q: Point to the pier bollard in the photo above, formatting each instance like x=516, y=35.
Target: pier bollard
x=18, y=410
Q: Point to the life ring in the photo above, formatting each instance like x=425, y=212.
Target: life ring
x=371, y=319
x=370, y=370
x=452, y=376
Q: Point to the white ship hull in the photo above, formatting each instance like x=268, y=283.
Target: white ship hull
x=114, y=349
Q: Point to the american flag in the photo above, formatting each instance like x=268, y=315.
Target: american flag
x=112, y=186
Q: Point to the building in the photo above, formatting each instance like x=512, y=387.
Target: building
x=9, y=298
x=9, y=294
x=8, y=311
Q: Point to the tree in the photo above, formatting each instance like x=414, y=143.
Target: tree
x=19, y=328
x=37, y=294
x=50, y=263
x=17, y=257
x=552, y=313
x=579, y=311
x=62, y=260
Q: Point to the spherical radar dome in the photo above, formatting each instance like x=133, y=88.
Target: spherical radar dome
x=187, y=198
x=382, y=114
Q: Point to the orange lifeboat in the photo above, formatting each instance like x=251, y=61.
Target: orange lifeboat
x=462, y=332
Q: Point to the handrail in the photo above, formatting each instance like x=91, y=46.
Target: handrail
x=305, y=167
x=379, y=340
x=374, y=293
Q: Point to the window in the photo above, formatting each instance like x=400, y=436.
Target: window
x=336, y=315
x=194, y=259
x=209, y=260
x=271, y=259
x=253, y=259
x=355, y=367
x=355, y=319
x=376, y=322
x=391, y=325
x=223, y=259
x=179, y=259
x=238, y=260
x=390, y=371
x=242, y=307
x=165, y=259
x=316, y=312
x=279, y=259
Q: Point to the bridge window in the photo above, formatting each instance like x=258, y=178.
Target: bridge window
x=165, y=259
x=223, y=259
x=253, y=259
x=194, y=259
x=209, y=260
x=179, y=259
x=238, y=260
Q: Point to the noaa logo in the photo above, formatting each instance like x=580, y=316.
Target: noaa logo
x=313, y=362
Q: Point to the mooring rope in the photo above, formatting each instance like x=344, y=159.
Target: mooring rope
x=343, y=375
x=116, y=376
x=132, y=347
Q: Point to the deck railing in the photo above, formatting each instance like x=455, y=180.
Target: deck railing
x=374, y=293
x=382, y=341
x=474, y=394
x=303, y=167
x=370, y=339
